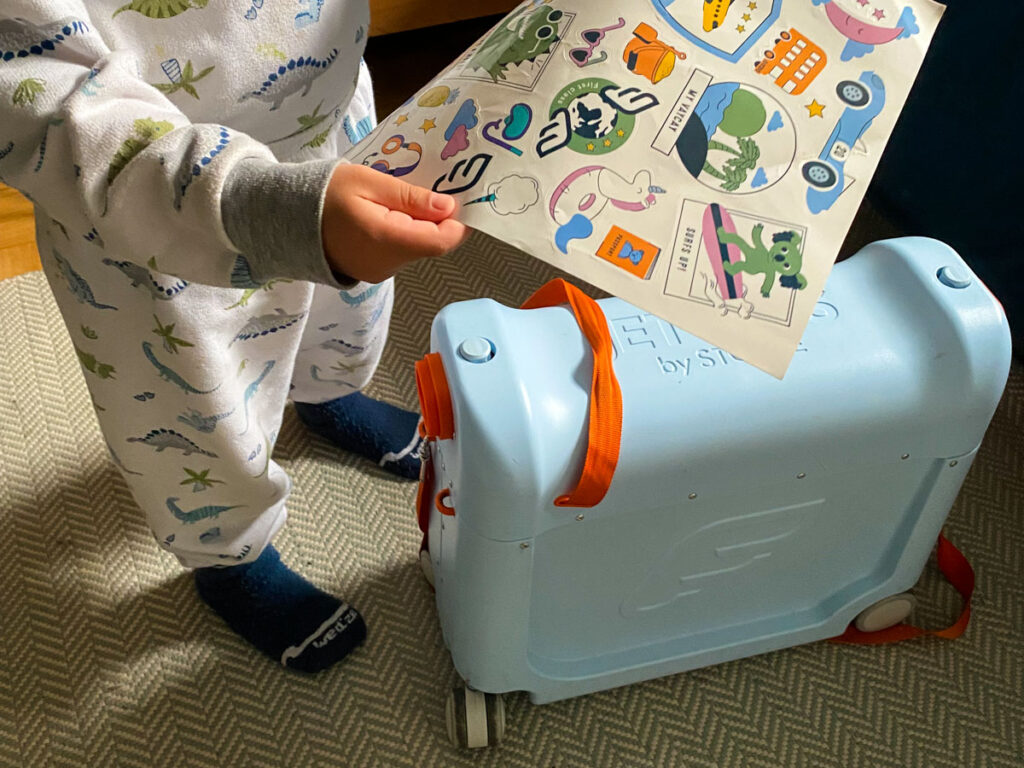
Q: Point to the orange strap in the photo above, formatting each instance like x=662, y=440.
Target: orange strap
x=958, y=572
x=605, y=431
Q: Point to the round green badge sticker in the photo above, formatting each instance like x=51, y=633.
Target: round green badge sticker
x=597, y=126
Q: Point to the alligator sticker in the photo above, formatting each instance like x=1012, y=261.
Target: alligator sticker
x=737, y=263
x=593, y=117
x=731, y=137
x=519, y=48
x=725, y=28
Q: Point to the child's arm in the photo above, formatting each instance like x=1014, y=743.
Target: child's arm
x=96, y=147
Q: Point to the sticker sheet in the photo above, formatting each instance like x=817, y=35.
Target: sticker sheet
x=701, y=159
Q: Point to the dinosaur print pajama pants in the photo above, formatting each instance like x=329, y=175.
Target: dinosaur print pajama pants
x=177, y=154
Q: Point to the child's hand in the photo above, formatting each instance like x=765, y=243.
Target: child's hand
x=375, y=224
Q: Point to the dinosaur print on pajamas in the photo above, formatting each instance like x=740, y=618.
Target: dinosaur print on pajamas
x=168, y=375
x=140, y=276
x=147, y=131
x=197, y=514
x=161, y=9
x=76, y=283
x=342, y=347
x=297, y=75
x=201, y=423
x=264, y=325
x=20, y=38
x=250, y=392
x=188, y=174
x=162, y=439
x=92, y=365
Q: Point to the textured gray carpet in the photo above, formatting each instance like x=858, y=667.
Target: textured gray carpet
x=108, y=659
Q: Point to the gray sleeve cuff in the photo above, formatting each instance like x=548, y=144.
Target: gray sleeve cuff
x=272, y=213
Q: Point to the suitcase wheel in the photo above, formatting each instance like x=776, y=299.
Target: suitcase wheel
x=474, y=719
x=885, y=613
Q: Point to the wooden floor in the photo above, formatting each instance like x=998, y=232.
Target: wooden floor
x=17, y=235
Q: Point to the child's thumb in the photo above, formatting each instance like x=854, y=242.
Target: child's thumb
x=418, y=202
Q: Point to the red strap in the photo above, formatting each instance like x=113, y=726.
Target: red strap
x=958, y=572
x=605, y=431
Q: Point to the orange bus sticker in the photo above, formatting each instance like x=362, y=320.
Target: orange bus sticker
x=794, y=62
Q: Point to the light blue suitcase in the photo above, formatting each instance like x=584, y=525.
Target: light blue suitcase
x=746, y=514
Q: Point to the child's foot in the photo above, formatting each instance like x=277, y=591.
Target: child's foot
x=377, y=430
x=281, y=613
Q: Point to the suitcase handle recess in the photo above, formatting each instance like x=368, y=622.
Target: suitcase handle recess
x=605, y=428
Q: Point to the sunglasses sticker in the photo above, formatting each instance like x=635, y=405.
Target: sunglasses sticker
x=629, y=252
x=585, y=52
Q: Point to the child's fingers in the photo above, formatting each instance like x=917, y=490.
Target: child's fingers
x=397, y=195
x=420, y=238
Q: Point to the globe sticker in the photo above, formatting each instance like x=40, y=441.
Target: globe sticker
x=593, y=117
x=731, y=137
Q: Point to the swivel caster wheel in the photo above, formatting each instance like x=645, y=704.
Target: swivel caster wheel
x=474, y=719
x=885, y=613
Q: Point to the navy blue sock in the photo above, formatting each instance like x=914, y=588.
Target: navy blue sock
x=377, y=430
x=281, y=613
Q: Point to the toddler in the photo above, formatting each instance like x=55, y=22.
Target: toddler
x=211, y=258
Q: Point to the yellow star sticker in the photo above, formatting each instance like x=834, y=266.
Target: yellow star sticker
x=401, y=119
x=620, y=133
x=607, y=142
x=740, y=28
x=746, y=17
x=428, y=124
x=752, y=5
x=815, y=109
x=590, y=147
